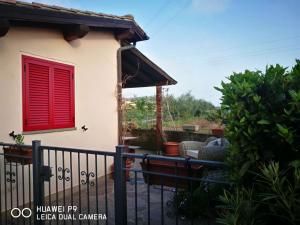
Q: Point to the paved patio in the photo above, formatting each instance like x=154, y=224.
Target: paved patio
x=87, y=199
x=169, y=215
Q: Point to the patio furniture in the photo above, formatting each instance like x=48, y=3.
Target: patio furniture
x=127, y=139
x=212, y=149
x=196, y=145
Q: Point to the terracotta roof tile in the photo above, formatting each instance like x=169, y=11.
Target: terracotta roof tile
x=55, y=8
x=68, y=10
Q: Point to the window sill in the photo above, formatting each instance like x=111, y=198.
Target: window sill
x=48, y=131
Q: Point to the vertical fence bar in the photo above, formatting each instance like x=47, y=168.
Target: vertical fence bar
x=148, y=193
x=11, y=189
x=88, y=184
x=5, y=190
x=17, y=185
x=120, y=187
x=56, y=184
x=1, y=193
x=79, y=184
x=96, y=172
x=162, y=200
x=176, y=192
x=64, y=180
x=71, y=172
x=49, y=185
x=23, y=191
x=29, y=186
x=135, y=197
x=38, y=182
x=105, y=183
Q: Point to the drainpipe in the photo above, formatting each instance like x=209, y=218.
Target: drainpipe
x=119, y=89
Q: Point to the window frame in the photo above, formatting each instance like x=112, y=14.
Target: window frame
x=25, y=88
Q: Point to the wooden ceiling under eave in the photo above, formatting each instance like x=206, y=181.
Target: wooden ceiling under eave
x=140, y=71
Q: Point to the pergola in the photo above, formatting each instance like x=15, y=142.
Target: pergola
x=137, y=71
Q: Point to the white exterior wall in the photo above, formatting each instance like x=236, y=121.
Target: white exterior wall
x=95, y=62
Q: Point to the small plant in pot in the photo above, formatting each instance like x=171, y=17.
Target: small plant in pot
x=18, y=153
x=218, y=130
x=171, y=148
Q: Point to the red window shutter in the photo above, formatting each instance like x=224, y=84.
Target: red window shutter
x=63, y=98
x=48, y=95
x=36, y=97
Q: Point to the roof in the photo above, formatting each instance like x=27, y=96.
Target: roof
x=139, y=71
x=37, y=13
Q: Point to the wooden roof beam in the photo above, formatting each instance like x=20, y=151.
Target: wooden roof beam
x=125, y=35
x=4, y=27
x=76, y=31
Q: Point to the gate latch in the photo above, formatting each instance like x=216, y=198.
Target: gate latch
x=46, y=173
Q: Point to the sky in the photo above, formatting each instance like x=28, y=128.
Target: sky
x=201, y=42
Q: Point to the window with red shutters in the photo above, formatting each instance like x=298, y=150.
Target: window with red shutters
x=48, y=95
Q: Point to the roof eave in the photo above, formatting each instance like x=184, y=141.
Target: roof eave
x=25, y=12
x=146, y=72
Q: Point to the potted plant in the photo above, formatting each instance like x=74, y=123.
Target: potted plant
x=217, y=131
x=18, y=153
x=171, y=148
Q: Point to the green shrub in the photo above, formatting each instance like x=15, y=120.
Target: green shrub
x=279, y=194
x=273, y=198
x=199, y=202
x=262, y=114
x=238, y=208
x=142, y=110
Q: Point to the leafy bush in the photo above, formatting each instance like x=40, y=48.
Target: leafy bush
x=262, y=114
x=273, y=199
x=279, y=194
x=139, y=110
x=199, y=202
x=142, y=110
x=238, y=208
x=187, y=106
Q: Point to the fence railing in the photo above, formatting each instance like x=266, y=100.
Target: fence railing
x=175, y=178
x=126, y=188
x=16, y=185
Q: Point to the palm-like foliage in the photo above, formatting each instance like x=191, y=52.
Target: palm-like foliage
x=281, y=192
x=238, y=208
x=275, y=198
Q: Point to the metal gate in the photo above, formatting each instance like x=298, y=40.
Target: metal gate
x=54, y=185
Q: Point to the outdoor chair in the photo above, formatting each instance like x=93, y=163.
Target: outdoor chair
x=212, y=149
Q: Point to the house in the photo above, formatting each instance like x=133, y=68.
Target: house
x=63, y=71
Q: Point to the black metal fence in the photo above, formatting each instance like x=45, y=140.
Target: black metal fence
x=172, y=190
x=78, y=186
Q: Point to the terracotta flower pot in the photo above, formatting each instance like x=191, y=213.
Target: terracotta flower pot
x=171, y=149
x=18, y=154
x=218, y=132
